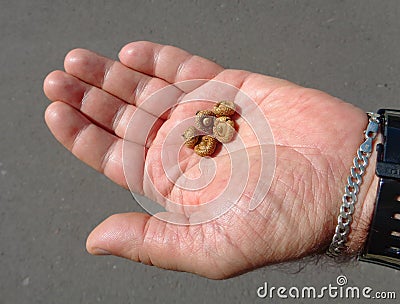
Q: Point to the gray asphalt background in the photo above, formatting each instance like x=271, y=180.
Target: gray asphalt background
x=49, y=201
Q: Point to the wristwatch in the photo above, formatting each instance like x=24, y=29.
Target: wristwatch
x=383, y=243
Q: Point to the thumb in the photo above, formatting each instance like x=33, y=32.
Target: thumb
x=154, y=241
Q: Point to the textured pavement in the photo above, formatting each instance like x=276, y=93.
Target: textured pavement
x=49, y=201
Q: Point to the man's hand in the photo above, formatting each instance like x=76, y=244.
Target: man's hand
x=316, y=137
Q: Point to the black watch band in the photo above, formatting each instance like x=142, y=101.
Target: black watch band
x=383, y=244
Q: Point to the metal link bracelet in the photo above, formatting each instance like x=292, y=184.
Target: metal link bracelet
x=354, y=180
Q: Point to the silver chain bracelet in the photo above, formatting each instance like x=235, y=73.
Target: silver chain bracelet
x=354, y=180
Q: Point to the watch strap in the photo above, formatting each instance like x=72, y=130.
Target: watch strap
x=383, y=244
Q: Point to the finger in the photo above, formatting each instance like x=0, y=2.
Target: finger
x=167, y=62
x=95, y=146
x=115, y=78
x=104, y=109
x=142, y=238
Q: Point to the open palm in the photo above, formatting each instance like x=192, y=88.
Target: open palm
x=315, y=135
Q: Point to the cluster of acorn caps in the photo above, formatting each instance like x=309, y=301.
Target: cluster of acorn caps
x=210, y=127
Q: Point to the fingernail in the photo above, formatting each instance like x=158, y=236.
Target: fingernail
x=100, y=251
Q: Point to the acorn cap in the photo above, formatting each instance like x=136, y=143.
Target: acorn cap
x=206, y=147
x=224, y=108
x=224, y=129
x=191, y=136
x=204, y=121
